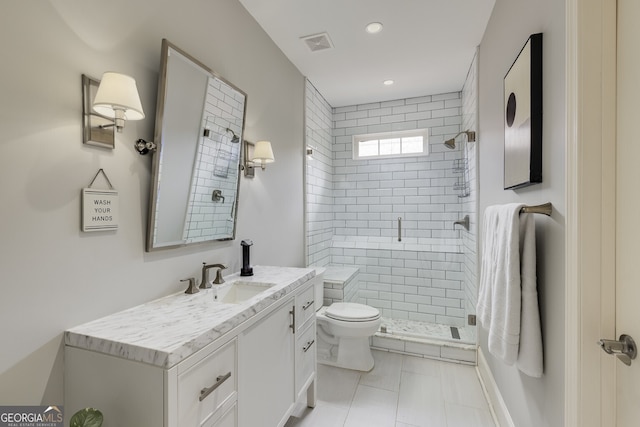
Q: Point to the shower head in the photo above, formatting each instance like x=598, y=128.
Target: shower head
x=451, y=143
x=235, y=137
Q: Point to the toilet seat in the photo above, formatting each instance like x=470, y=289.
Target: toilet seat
x=352, y=312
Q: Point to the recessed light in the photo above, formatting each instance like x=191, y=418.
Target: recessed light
x=388, y=82
x=374, y=27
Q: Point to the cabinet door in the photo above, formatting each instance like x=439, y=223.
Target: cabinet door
x=305, y=358
x=266, y=370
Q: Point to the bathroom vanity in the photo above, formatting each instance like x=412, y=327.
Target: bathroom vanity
x=239, y=354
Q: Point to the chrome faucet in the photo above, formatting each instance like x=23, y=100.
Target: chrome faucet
x=204, y=283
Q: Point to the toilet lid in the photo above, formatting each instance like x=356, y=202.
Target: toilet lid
x=352, y=312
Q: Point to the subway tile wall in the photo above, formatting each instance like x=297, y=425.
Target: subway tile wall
x=319, y=177
x=216, y=166
x=341, y=290
x=408, y=280
x=370, y=196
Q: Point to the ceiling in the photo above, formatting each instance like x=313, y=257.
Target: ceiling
x=425, y=46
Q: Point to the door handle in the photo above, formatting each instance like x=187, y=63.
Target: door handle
x=625, y=348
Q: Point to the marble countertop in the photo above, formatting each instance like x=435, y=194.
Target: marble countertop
x=170, y=329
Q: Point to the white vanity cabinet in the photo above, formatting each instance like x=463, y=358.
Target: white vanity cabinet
x=277, y=362
x=250, y=375
x=201, y=391
x=266, y=363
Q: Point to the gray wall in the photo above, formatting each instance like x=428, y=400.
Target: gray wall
x=54, y=276
x=531, y=402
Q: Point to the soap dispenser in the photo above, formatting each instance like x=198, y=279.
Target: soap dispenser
x=246, y=269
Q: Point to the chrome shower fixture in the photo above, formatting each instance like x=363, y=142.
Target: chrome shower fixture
x=451, y=143
x=235, y=138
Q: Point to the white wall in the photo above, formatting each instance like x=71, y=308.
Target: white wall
x=54, y=276
x=531, y=402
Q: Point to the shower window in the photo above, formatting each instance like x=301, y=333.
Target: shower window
x=391, y=144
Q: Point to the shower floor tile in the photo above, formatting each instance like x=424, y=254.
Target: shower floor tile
x=414, y=329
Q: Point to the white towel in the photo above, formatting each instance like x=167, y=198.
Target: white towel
x=507, y=297
x=530, y=352
x=499, y=296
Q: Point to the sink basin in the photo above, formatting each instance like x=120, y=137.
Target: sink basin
x=237, y=292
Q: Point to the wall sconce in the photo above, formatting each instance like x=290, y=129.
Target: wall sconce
x=258, y=154
x=107, y=104
x=118, y=98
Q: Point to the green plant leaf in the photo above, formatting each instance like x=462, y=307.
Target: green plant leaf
x=87, y=417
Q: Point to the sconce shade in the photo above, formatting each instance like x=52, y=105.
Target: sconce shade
x=118, y=96
x=262, y=153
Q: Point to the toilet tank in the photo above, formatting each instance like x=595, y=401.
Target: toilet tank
x=318, y=284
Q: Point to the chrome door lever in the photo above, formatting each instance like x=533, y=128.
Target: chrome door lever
x=625, y=348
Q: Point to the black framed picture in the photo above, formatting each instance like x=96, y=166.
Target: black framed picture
x=523, y=117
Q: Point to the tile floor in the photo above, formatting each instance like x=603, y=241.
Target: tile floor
x=400, y=391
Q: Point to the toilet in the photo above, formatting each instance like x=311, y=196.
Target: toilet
x=343, y=332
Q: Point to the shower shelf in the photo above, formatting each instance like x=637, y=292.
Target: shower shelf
x=462, y=187
x=460, y=165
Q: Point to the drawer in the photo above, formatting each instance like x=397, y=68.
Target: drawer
x=207, y=386
x=305, y=357
x=227, y=418
x=305, y=306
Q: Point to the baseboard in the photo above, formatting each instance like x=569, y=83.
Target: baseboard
x=498, y=408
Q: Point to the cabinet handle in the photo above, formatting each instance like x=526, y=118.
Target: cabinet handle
x=308, y=346
x=219, y=380
x=293, y=318
x=307, y=305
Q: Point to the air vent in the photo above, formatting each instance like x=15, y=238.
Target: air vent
x=318, y=42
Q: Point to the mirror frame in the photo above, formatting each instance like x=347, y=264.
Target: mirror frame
x=157, y=155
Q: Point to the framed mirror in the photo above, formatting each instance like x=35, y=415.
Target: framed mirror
x=196, y=168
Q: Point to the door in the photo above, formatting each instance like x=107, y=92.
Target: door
x=628, y=207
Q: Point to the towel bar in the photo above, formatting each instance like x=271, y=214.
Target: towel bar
x=545, y=209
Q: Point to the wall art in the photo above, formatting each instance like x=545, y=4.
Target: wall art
x=523, y=117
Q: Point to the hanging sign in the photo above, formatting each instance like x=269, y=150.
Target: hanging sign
x=99, y=207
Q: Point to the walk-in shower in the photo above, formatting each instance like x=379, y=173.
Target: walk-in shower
x=387, y=228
